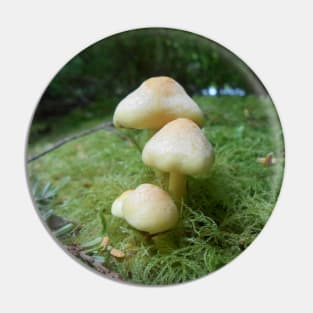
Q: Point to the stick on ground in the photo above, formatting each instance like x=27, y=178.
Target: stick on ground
x=80, y=253
x=63, y=141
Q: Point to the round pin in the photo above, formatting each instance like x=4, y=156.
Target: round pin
x=155, y=156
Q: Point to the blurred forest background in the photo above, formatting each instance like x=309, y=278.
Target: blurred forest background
x=108, y=70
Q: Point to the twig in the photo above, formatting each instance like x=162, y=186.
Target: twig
x=63, y=141
x=78, y=251
x=129, y=139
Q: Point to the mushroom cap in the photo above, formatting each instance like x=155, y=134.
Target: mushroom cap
x=180, y=146
x=151, y=209
x=154, y=103
x=116, y=208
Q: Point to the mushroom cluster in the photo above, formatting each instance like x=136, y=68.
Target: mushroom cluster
x=176, y=146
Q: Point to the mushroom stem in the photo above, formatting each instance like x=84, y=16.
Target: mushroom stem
x=177, y=186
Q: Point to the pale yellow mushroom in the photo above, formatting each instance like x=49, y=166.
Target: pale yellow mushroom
x=151, y=209
x=179, y=148
x=154, y=103
x=116, y=208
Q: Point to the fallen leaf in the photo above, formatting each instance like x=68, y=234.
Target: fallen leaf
x=246, y=113
x=87, y=184
x=268, y=160
x=117, y=253
x=105, y=242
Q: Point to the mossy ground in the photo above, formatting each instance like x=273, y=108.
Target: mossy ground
x=223, y=212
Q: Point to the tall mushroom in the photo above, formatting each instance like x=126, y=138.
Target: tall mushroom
x=154, y=103
x=149, y=208
x=179, y=148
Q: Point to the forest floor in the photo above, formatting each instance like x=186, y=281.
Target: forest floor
x=223, y=212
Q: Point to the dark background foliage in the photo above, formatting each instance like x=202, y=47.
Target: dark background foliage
x=113, y=67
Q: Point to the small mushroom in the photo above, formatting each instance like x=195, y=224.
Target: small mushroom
x=154, y=103
x=149, y=208
x=179, y=148
x=116, y=208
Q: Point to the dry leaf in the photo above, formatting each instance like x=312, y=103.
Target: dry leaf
x=268, y=160
x=87, y=184
x=246, y=113
x=105, y=241
x=117, y=253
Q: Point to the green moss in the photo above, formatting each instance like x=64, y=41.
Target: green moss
x=223, y=213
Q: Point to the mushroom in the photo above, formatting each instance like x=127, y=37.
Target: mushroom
x=116, y=208
x=179, y=148
x=154, y=103
x=151, y=209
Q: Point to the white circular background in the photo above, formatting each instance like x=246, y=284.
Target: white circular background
x=273, y=38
